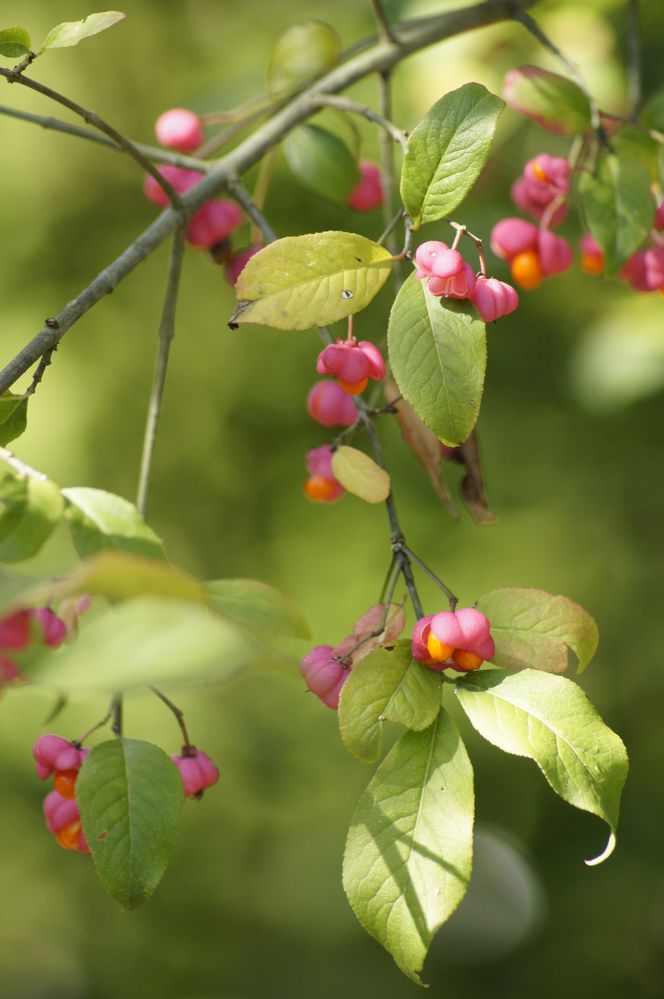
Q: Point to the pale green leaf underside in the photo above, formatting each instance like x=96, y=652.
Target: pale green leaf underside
x=130, y=795
x=360, y=475
x=533, y=628
x=30, y=510
x=551, y=721
x=147, y=640
x=72, y=32
x=258, y=605
x=409, y=850
x=314, y=280
x=619, y=208
x=99, y=520
x=446, y=152
x=387, y=685
x=438, y=355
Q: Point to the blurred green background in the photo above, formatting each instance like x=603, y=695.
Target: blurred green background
x=252, y=904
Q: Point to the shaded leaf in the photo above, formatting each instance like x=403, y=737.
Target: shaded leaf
x=409, y=850
x=257, y=605
x=472, y=487
x=533, y=628
x=553, y=101
x=72, y=32
x=13, y=416
x=446, y=152
x=99, y=520
x=437, y=351
x=424, y=444
x=360, y=475
x=618, y=207
x=147, y=640
x=14, y=42
x=130, y=796
x=302, y=53
x=387, y=685
x=31, y=508
x=303, y=281
x=322, y=162
x=550, y=720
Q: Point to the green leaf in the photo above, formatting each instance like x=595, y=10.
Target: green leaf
x=388, y=685
x=258, y=605
x=660, y=165
x=14, y=42
x=553, y=101
x=360, y=475
x=631, y=143
x=438, y=355
x=652, y=113
x=31, y=508
x=72, y=32
x=13, y=417
x=99, y=521
x=302, y=53
x=533, y=628
x=409, y=850
x=130, y=796
x=619, y=208
x=303, y=281
x=551, y=721
x=147, y=640
x=322, y=162
x=118, y=576
x=446, y=152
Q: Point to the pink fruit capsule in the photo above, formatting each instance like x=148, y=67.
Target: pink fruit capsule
x=179, y=129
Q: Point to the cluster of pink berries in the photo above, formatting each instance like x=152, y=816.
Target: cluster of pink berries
x=368, y=192
x=326, y=668
x=448, y=275
x=458, y=640
x=23, y=628
x=644, y=271
x=213, y=223
x=55, y=756
x=352, y=363
x=533, y=251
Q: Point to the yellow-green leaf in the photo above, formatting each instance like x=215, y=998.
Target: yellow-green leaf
x=360, y=475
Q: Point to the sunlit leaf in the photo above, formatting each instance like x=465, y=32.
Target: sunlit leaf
x=360, y=475
x=130, y=795
x=550, y=720
x=409, y=850
x=618, y=207
x=303, y=281
x=538, y=629
x=99, y=520
x=446, y=152
x=388, y=685
x=438, y=355
x=257, y=605
x=72, y=32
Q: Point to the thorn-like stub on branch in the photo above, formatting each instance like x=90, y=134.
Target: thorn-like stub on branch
x=240, y=309
x=52, y=323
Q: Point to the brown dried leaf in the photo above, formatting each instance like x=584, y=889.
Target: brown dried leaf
x=472, y=487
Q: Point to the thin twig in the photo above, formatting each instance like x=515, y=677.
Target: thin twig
x=390, y=227
x=179, y=716
x=353, y=107
x=462, y=230
x=154, y=153
x=634, y=57
x=40, y=370
x=453, y=600
x=241, y=195
x=376, y=58
x=221, y=138
x=100, y=724
x=166, y=333
x=116, y=710
x=92, y=118
x=384, y=27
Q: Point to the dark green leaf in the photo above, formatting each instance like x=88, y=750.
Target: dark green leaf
x=72, y=32
x=446, y=152
x=322, y=162
x=438, y=355
x=619, y=208
x=14, y=42
x=538, y=629
x=99, y=520
x=302, y=53
x=388, y=685
x=409, y=851
x=13, y=417
x=550, y=720
x=130, y=796
x=257, y=605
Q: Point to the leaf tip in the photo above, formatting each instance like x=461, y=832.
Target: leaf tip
x=605, y=854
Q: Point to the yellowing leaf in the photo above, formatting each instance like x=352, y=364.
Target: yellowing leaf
x=360, y=475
